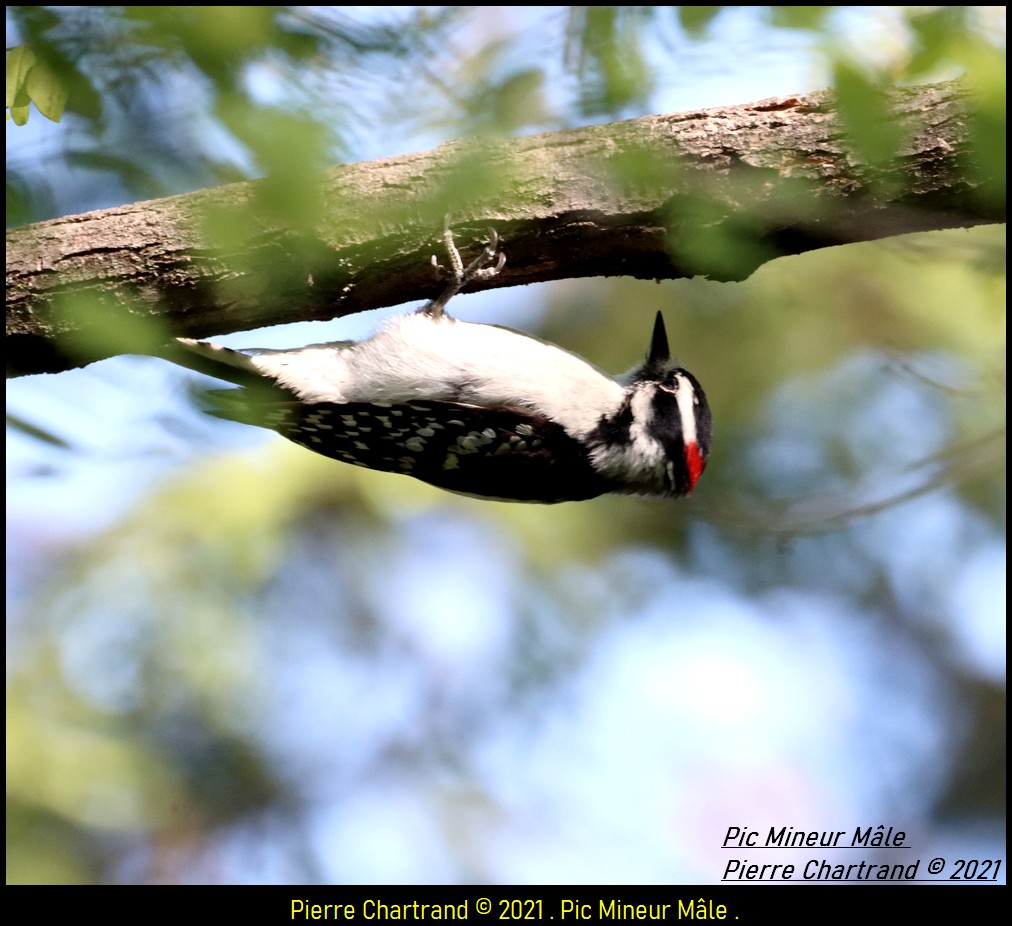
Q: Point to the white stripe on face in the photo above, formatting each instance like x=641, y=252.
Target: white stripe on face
x=687, y=408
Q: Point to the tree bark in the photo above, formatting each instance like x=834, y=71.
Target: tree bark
x=715, y=192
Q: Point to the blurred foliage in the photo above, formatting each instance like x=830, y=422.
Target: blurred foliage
x=273, y=667
x=30, y=81
x=165, y=99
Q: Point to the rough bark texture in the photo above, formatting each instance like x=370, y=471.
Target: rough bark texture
x=638, y=198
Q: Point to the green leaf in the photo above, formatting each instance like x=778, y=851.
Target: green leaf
x=799, y=17
x=934, y=32
x=47, y=91
x=696, y=19
x=20, y=61
x=29, y=80
x=864, y=110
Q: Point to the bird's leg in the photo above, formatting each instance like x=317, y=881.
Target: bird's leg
x=481, y=269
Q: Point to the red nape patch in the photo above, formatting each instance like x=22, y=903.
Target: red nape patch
x=694, y=464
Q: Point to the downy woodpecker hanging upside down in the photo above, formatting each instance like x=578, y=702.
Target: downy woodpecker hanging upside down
x=476, y=409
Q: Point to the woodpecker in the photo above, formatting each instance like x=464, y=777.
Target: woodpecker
x=475, y=409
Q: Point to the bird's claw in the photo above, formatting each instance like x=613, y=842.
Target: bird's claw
x=459, y=275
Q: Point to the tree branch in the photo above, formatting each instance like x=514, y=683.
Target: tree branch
x=715, y=192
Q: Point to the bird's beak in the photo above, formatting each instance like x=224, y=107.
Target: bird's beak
x=659, y=352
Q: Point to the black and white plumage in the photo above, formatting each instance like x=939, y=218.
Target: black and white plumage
x=476, y=409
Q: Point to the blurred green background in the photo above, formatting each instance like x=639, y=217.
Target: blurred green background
x=230, y=660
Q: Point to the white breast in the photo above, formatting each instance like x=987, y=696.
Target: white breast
x=419, y=357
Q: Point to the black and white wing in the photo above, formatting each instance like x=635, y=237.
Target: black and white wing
x=500, y=452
